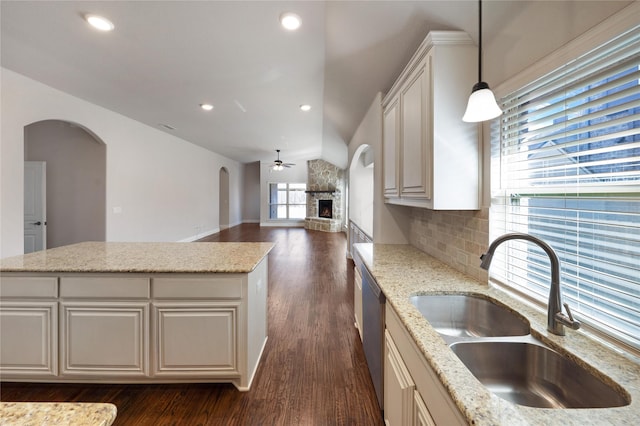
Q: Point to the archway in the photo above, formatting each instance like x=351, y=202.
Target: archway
x=224, y=198
x=75, y=180
x=361, y=195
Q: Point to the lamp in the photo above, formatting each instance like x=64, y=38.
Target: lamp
x=482, y=105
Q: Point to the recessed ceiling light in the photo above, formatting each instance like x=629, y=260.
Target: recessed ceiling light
x=206, y=107
x=305, y=107
x=99, y=22
x=290, y=21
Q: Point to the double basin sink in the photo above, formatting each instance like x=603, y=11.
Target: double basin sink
x=496, y=345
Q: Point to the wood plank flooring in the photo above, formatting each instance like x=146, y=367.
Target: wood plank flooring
x=313, y=370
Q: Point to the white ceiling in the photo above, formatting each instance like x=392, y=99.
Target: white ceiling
x=166, y=57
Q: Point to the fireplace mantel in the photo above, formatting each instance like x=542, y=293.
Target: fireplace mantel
x=324, y=191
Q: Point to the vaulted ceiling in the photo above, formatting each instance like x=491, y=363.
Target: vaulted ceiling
x=165, y=58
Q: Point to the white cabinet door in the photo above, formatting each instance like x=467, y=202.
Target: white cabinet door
x=437, y=156
x=421, y=415
x=390, y=141
x=357, y=299
x=105, y=339
x=29, y=339
x=398, y=387
x=194, y=339
x=415, y=120
x=441, y=407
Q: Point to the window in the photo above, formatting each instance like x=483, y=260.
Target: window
x=287, y=200
x=566, y=168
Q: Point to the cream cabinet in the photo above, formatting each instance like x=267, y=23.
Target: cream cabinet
x=431, y=158
x=28, y=333
x=415, y=121
x=208, y=330
x=104, y=339
x=413, y=393
x=399, y=388
x=201, y=314
x=421, y=415
x=29, y=327
x=390, y=147
x=104, y=326
x=357, y=299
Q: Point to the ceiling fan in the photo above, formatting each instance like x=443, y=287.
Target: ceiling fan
x=278, y=164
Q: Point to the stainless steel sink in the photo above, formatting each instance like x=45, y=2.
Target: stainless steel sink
x=461, y=315
x=533, y=375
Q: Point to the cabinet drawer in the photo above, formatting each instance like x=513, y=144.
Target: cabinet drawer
x=31, y=287
x=104, y=287
x=224, y=287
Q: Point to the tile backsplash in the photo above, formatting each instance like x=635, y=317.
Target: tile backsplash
x=457, y=238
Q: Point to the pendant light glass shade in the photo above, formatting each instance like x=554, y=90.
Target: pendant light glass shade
x=482, y=104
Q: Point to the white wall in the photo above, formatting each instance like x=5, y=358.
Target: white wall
x=165, y=187
x=295, y=174
x=533, y=30
x=390, y=222
x=334, y=148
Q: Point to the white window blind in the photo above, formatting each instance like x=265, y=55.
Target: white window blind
x=566, y=168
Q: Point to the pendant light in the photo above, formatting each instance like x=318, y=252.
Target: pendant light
x=482, y=105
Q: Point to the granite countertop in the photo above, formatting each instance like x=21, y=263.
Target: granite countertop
x=402, y=271
x=56, y=413
x=142, y=257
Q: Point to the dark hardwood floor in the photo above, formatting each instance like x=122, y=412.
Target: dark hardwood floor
x=312, y=372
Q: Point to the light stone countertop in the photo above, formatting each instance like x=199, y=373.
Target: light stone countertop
x=56, y=414
x=402, y=271
x=196, y=257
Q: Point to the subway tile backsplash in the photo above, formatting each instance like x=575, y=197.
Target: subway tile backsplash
x=457, y=238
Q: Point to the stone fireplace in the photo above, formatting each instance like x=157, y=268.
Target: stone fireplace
x=325, y=185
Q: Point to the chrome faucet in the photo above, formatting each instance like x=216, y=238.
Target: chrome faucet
x=556, y=319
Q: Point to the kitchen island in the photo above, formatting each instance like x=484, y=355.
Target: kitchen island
x=135, y=313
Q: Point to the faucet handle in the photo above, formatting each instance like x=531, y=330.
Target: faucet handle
x=568, y=319
x=566, y=306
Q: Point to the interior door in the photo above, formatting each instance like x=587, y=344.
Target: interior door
x=224, y=199
x=35, y=206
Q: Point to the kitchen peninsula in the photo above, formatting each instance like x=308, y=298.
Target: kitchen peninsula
x=135, y=313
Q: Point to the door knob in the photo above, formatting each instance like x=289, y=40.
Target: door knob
x=38, y=223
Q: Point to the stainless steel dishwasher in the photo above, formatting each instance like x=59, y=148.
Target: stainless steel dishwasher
x=373, y=331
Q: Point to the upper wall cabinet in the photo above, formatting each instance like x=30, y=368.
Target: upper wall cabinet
x=431, y=158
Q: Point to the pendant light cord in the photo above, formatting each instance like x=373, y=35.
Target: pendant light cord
x=479, y=40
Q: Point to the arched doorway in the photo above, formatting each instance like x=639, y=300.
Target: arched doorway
x=224, y=198
x=75, y=178
x=361, y=195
